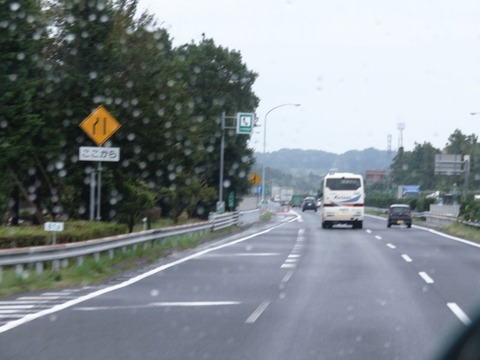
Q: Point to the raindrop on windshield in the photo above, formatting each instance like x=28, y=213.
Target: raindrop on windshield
x=14, y=6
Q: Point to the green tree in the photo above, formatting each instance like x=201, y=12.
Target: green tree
x=218, y=81
x=415, y=167
x=135, y=202
x=21, y=74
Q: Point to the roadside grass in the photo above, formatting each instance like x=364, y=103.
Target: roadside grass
x=266, y=216
x=92, y=272
x=463, y=231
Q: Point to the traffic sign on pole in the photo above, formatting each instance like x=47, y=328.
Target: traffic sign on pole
x=99, y=153
x=100, y=125
x=245, y=123
x=254, y=179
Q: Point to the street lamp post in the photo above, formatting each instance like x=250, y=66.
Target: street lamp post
x=265, y=143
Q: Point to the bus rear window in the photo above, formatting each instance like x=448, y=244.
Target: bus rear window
x=343, y=184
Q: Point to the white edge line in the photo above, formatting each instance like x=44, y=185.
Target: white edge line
x=70, y=303
x=453, y=238
x=459, y=313
x=256, y=314
x=434, y=232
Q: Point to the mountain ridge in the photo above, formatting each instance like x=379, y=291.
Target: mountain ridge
x=319, y=162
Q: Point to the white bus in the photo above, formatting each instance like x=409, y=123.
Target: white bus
x=343, y=197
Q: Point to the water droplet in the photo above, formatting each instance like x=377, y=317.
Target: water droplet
x=14, y=6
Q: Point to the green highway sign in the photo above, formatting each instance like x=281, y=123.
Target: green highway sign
x=245, y=123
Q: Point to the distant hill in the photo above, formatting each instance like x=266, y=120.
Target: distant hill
x=304, y=162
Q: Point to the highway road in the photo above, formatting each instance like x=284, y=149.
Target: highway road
x=286, y=290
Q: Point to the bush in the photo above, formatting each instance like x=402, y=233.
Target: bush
x=23, y=236
x=470, y=210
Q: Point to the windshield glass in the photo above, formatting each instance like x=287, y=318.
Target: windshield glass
x=161, y=164
x=343, y=184
x=399, y=209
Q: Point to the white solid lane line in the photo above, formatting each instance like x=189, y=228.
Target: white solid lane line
x=459, y=313
x=426, y=277
x=160, y=304
x=406, y=258
x=239, y=255
x=39, y=298
x=6, y=307
x=256, y=314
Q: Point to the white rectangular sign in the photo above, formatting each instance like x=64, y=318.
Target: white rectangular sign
x=54, y=226
x=99, y=153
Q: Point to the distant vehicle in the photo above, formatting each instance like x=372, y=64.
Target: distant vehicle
x=286, y=194
x=297, y=200
x=399, y=214
x=309, y=203
x=343, y=197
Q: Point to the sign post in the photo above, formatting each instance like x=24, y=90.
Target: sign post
x=100, y=125
x=244, y=125
x=53, y=227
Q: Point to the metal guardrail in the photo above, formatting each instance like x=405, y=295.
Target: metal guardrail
x=59, y=255
x=433, y=219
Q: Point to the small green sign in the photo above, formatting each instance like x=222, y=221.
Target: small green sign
x=231, y=200
x=245, y=122
x=220, y=207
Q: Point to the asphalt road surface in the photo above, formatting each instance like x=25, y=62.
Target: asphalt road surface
x=286, y=290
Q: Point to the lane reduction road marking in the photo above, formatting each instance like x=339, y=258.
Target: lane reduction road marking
x=256, y=314
x=287, y=276
x=406, y=258
x=80, y=299
x=459, y=313
x=426, y=277
x=160, y=304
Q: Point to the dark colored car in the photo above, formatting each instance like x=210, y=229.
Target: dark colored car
x=309, y=203
x=399, y=214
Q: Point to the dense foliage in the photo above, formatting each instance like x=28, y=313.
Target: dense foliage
x=61, y=59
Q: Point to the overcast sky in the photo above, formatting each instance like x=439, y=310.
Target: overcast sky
x=357, y=67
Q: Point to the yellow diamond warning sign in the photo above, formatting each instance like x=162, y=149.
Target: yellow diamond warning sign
x=254, y=179
x=100, y=125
